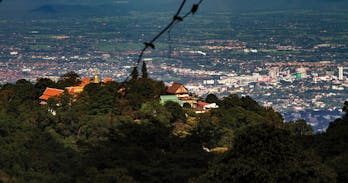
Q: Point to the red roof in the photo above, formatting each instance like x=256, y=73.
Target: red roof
x=51, y=92
x=177, y=88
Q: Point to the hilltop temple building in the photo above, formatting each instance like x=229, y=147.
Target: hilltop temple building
x=179, y=94
x=72, y=90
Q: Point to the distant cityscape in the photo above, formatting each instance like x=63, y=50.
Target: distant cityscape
x=271, y=62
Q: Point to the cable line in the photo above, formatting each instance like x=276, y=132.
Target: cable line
x=176, y=19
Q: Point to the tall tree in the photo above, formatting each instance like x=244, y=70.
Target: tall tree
x=134, y=74
x=144, y=70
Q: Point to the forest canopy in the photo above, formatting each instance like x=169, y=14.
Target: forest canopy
x=120, y=132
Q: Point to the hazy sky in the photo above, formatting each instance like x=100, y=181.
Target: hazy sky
x=26, y=6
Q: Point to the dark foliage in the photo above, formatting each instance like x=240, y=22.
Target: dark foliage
x=119, y=132
x=264, y=153
x=134, y=74
x=176, y=111
x=69, y=79
x=144, y=71
x=211, y=98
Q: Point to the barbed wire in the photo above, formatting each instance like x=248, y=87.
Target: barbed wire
x=176, y=19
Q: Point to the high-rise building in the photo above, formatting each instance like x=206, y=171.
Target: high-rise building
x=340, y=73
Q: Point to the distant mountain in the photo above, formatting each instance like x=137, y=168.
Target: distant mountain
x=76, y=10
x=45, y=9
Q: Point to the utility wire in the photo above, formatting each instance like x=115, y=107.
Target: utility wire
x=176, y=19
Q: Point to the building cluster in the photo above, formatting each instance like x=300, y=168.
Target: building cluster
x=179, y=94
x=175, y=93
x=71, y=90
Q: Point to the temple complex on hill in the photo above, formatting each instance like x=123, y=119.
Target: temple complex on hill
x=175, y=93
x=72, y=90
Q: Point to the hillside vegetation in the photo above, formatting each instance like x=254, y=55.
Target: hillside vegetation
x=119, y=132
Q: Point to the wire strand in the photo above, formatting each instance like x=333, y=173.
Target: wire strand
x=176, y=19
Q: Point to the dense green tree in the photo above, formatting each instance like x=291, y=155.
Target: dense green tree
x=53, y=103
x=333, y=147
x=42, y=83
x=250, y=104
x=207, y=130
x=155, y=112
x=239, y=117
x=116, y=175
x=143, y=90
x=99, y=99
x=149, y=152
x=299, y=128
x=25, y=91
x=19, y=97
x=186, y=105
x=30, y=154
x=134, y=100
x=7, y=97
x=231, y=101
x=211, y=98
x=177, y=113
x=335, y=138
x=271, y=116
x=65, y=101
x=69, y=79
x=264, y=153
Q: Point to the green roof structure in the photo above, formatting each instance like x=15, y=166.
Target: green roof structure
x=173, y=98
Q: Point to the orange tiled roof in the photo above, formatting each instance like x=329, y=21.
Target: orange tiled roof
x=51, y=92
x=107, y=80
x=71, y=90
x=74, y=89
x=175, y=87
x=85, y=81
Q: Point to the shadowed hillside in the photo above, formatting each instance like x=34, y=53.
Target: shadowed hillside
x=120, y=132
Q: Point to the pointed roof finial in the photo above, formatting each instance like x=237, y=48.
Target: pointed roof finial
x=95, y=77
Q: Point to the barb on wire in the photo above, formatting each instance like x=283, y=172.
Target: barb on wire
x=176, y=19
